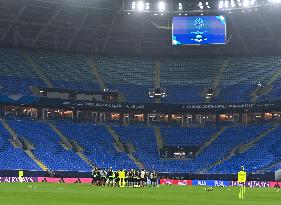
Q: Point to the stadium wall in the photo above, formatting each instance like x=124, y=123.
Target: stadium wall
x=197, y=178
x=177, y=182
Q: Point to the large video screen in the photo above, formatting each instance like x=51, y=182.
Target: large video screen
x=199, y=30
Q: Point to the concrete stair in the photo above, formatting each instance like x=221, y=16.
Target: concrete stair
x=159, y=140
x=28, y=151
x=216, y=82
x=225, y=158
x=253, y=142
x=118, y=145
x=9, y=129
x=269, y=167
x=139, y=164
x=96, y=74
x=71, y=145
x=35, y=91
x=86, y=159
x=36, y=68
x=157, y=78
x=267, y=88
x=210, y=141
x=241, y=148
x=36, y=160
x=100, y=81
x=64, y=141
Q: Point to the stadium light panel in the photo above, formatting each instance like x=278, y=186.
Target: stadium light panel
x=221, y=4
x=133, y=5
x=140, y=6
x=239, y=3
x=226, y=4
x=201, y=5
x=161, y=6
x=180, y=6
x=147, y=6
x=246, y=3
x=232, y=3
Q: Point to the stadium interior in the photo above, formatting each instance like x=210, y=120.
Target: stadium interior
x=87, y=84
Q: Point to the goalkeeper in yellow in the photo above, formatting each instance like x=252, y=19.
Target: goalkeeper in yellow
x=122, y=176
x=242, y=178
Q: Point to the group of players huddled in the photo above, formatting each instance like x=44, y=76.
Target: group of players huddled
x=124, y=178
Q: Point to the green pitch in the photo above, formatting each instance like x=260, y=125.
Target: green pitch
x=74, y=194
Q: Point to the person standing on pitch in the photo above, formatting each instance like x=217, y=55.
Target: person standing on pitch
x=142, y=178
x=122, y=176
x=110, y=177
x=94, y=176
x=242, y=178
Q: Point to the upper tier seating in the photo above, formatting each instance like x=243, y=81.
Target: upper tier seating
x=242, y=76
x=66, y=70
x=130, y=75
x=184, y=78
x=16, y=75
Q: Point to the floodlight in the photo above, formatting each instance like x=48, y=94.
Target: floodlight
x=147, y=6
x=180, y=6
x=133, y=5
x=246, y=3
x=140, y=6
x=221, y=4
x=226, y=4
x=232, y=3
x=239, y=2
x=161, y=6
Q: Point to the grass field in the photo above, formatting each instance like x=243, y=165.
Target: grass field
x=74, y=194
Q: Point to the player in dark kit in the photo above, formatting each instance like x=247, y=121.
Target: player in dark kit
x=153, y=178
x=94, y=176
x=209, y=189
x=136, y=178
x=277, y=186
x=130, y=175
x=110, y=177
x=116, y=176
x=142, y=178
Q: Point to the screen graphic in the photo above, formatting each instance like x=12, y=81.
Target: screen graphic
x=199, y=30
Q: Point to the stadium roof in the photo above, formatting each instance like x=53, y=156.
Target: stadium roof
x=102, y=26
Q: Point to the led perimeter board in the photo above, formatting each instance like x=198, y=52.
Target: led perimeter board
x=199, y=30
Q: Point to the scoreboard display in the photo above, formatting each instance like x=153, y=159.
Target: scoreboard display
x=199, y=30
